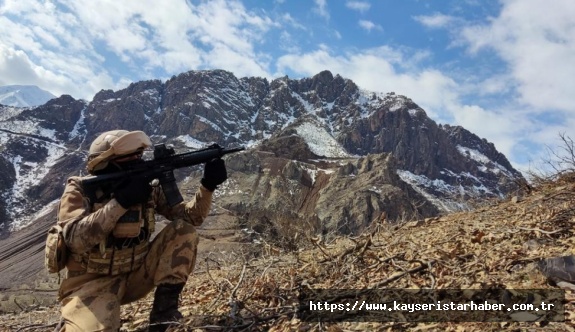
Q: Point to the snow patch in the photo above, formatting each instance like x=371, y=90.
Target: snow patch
x=77, y=131
x=208, y=122
x=9, y=112
x=395, y=107
x=28, y=175
x=422, y=184
x=191, y=142
x=487, y=164
x=320, y=141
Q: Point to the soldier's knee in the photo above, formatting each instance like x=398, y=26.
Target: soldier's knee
x=187, y=230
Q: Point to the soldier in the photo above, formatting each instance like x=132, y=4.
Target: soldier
x=111, y=260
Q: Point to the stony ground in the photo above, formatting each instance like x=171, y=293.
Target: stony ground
x=239, y=287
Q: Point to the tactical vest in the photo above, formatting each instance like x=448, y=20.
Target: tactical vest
x=127, y=245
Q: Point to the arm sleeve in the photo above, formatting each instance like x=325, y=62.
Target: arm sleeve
x=195, y=211
x=82, y=228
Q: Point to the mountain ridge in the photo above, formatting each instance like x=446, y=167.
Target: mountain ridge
x=333, y=118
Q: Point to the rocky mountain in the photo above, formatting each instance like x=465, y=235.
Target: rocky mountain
x=320, y=149
x=23, y=95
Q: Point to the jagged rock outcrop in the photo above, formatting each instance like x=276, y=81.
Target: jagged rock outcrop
x=59, y=115
x=321, y=119
x=133, y=108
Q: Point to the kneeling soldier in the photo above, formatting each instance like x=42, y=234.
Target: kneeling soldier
x=111, y=260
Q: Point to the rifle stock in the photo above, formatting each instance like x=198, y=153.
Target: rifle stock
x=161, y=167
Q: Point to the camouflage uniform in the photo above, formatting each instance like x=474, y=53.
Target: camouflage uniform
x=91, y=301
x=111, y=260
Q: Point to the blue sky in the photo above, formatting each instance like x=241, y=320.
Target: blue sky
x=504, y=69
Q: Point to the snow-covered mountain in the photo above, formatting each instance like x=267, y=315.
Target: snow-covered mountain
x=320, y=148
x=23, y=95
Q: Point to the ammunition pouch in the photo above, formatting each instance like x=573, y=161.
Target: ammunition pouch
x=56, y=252
x=116, y=261
x=129, y=224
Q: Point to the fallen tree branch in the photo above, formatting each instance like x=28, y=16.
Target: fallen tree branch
x=362, y=247
x=24, y=328
x=232, y=299
x=540, y=230
x=246, y=323
x=423, y=266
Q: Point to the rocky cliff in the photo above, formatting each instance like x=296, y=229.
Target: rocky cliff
x=320, y=148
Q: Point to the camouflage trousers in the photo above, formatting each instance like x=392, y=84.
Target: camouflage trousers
x=91, y=302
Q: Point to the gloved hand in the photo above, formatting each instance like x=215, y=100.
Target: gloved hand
x=214, y=174
x=133, y=191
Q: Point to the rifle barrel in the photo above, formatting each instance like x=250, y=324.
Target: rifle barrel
x=226, y=151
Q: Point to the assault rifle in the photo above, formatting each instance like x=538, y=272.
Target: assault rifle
x=161, y=167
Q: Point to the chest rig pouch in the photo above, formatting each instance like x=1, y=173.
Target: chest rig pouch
x=126, y=247
x=130, y=224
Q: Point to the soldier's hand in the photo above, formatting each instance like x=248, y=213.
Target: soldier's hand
x=133, y=191
x=215, y=173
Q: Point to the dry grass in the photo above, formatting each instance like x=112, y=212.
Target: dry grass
x=493, y=246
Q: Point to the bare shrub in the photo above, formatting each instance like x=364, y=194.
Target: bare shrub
x=558, y=165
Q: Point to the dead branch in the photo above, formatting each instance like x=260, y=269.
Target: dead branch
x=248, y=322
x=221, y=290
x=423, y=266
x=31, y=326
x=18, y=304
x=539, y=230
x=323, y=252
x=362, y=247
x=232, y=299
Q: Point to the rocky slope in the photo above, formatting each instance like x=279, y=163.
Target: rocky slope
x=496, y=246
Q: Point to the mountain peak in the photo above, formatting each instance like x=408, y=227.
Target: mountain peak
x=24, y=95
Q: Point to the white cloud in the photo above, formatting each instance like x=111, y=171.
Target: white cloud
x=222, y=56
x=369, y=25
x=83, y=46
x=494, y=85
x=17, y=68
x=537, y=41
x=321, y=8
x=337, y=34
x=530, y=99
x=360, y=6
x=435, y=21
x=287, y=18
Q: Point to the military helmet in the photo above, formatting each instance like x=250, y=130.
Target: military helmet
x=113, y=144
